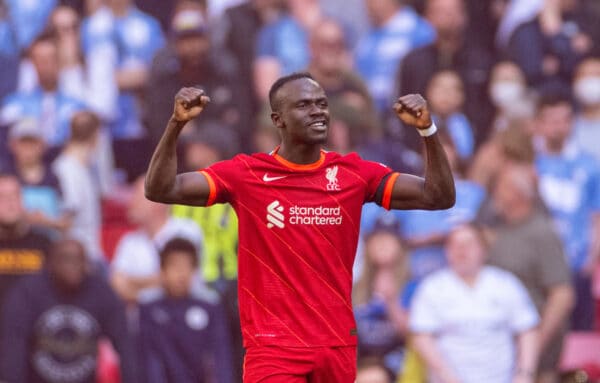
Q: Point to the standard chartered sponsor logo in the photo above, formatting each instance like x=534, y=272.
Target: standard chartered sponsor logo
x=302, y=215
x=275, y=215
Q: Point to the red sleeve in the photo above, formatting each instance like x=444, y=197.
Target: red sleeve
x=380, y=180
x=219, y=177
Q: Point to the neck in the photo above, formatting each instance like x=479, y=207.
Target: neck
x=49, y=86
x=80, y=151
x=153, y=226
x=388, y=16
x=555, y=147
x=120, y=10
x=469, y=278
x=300, y=154
x=449, y=42
x=32, y=173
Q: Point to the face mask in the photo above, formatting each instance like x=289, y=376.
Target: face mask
x=587, y=90
x=506, y=93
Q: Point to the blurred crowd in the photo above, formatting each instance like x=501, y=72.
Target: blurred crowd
x=487, y=291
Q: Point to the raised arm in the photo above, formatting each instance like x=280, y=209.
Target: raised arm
x=163, y=184
x=436, y=190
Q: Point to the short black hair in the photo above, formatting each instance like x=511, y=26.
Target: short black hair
x=180, y=245
x=554, y=97
x=280, y=83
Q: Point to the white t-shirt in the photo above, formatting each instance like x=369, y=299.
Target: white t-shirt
x=474, y=326
x=137, y=255
x=81, y=196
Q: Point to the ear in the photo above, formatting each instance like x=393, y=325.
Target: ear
x=277, y=120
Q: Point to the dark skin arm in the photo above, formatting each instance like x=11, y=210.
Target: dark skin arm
x=163, y=184
x=436, y=190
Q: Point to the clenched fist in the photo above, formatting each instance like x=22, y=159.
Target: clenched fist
x=189, y=103
x=412, y=110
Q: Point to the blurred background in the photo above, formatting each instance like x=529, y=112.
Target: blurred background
x=95, y=284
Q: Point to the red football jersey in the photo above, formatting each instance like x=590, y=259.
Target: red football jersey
x=298, y=232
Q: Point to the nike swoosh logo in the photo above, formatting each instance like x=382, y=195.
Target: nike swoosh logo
x=266, y=178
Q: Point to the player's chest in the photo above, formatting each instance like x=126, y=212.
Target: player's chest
x=328, y=182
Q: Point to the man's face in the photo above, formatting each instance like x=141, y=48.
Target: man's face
x=68, y=264
x=328, y=48
x=465, y=251
x=555, y=123
x=303, y=112
x=11, y=205
x=27, y=151
x=44, y=57
x=192, y=49
x=446, y=16
x=177, y=273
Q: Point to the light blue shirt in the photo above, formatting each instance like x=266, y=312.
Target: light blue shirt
x=461, y=133
x=379, y=53
x=55, y=119
x=137, y=37
x=569, y=184
x=285, y=40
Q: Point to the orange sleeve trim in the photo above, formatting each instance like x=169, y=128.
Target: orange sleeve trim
x=386, y=201
x=212, y=194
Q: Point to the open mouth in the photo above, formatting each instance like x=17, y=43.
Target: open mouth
x=320, y=126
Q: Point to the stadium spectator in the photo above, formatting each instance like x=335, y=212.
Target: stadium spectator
x=189, y=60
x=549, y=47
x=569, y=183
x=183, y=339
x=381, y=296
x=526, y=245
x=79, y=185
x=514, y=144
x=395, y=29
x=446, y=95
x=330, y=64
x=240, y=27
x=455, y=48
x=131, y=38
x=509, y=95
x=135, y=269
x=474, y=323
x=41, y=193
x=88, y=78
x=23, y=249
x=53, y=321
x=47, y=102
x=586, y=87
x=282, y=46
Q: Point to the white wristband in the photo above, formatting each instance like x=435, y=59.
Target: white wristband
x=429, y=131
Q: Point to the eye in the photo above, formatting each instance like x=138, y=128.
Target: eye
x=322, y=103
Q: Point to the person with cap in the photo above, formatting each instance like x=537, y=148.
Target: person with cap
x=40, y=188
x=190, y=60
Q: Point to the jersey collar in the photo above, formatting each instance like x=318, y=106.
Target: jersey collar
x=294, y=166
